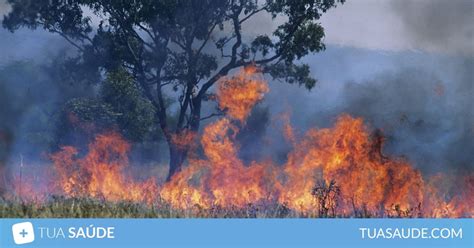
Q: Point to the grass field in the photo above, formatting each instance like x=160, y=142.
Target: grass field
x=92, y=208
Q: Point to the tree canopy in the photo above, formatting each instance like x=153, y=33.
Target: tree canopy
x=181, y=46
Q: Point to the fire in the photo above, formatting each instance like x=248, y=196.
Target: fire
x=345, y=154
x=183, y=140
x=101, y=172
x=462, y=205
x=335, y=171
x=369, y=183
x=346, y=161
x=239, y=94
x=288, y=130
x=437, y=194
x=222, y=179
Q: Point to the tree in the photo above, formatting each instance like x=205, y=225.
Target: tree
x=118, y=106
x=183, y=45
x=136, y=117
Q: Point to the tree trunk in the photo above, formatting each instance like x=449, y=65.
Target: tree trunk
x=179, y=154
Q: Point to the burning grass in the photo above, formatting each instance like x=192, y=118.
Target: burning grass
x=60, y=207
x=339, y=171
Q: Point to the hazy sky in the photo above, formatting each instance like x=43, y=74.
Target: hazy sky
x=445, y=26
x=385, y=61
x=394, y=25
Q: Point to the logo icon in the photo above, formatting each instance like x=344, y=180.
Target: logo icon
x=23, y=233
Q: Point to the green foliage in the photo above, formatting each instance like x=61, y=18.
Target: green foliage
x=292, y=74
x=152, y=37
x=91, y=110
x=263, y=44
x=119, y=106
x=81, y=119
x=182, y=45
x=135, y=114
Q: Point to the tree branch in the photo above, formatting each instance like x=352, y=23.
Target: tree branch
x=207, y=38
x=211, y=115
x=232, y=63
x=253, y=13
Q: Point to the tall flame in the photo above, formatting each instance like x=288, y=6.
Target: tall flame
x=224, y=180
x=101, y=172
x=336, y=171
x=241, y=92
x=347, y=155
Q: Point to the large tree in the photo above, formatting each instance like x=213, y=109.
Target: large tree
x=186, y=45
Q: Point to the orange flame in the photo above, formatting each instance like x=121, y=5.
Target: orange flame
x=101, y=172
x=340, y=170
x=224, y=179
x=184, y=140
x=241, y=92
x=346, y=153
x=288, y=130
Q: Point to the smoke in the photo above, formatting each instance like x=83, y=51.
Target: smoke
x=425, y=118
x=425, y=107
x=438, y=25
x=422, y=102
x=4, y=8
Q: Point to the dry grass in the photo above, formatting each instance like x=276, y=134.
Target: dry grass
x=92, y=208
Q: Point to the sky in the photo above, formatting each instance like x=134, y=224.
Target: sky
x=436, y=26
x=391, y=25
x=405, y=66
